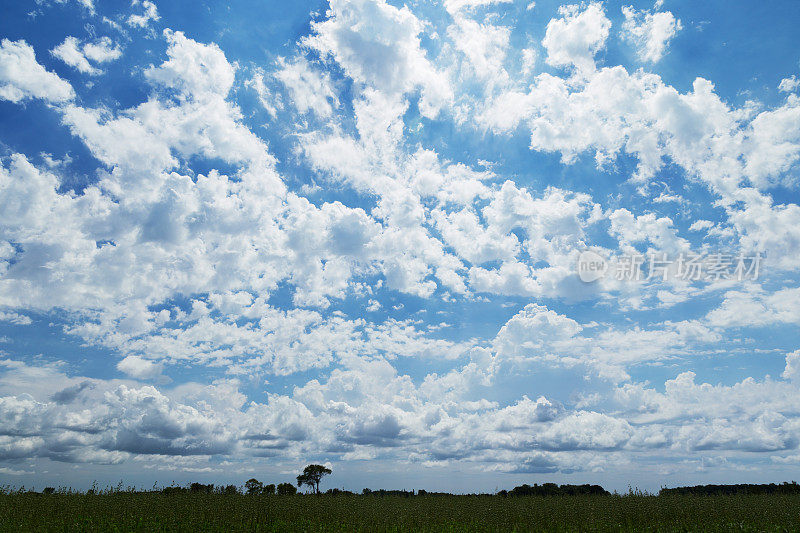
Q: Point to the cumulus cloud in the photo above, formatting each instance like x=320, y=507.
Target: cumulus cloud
x=378, y=45
x=194, y=68
x=535, y=327
x=792, y=370
x=757, y=308
x=191, y=246
x=649, y=32
x=484, y=45
x=789, y=85
x=15, y=318
x=22, y=77
x=138, y=367
x=368, y=404
x=613, y=112
x=81, y=57
x=575, y=38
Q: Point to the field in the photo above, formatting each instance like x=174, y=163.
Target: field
x=126, y=511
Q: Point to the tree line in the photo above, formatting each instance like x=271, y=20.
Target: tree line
x=312, y=475
x=744, y=488
x=551, y=489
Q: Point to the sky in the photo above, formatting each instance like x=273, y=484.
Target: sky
x=455, y=245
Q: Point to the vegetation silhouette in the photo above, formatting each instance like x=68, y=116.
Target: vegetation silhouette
x=714, y=490
x=551, y=489
x=312, y=475
x=253, y=486
x=539, y=508
x=286, y=489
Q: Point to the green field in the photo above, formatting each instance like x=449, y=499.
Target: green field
x=125, y=511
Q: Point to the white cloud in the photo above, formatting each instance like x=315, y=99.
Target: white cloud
x=69, y=53
x=772, y=146
x=484, y=45
x=22, y=77
x=576, y=37
x=81, y=57
x=146, y=139
x=88, y=4
x=149, y=13
x=650, y=32
x=631, y=229
x=138, y=367
x=792, y=370
x=701, y=225
x=534, y=328
x=102, y=50
x=754, y=308
x=529, y=58
x=168, y=266
x=140, y=146
x=454, y=6
x=366, y=406
x=537, y=335
x=789, y=85
x=378, y=45
x=196, y=69
x=749, y=415
x=613, y=111
x=309, y=88
x=270, y=101
x=15, y=318
x=463, y=231
x=511, y=278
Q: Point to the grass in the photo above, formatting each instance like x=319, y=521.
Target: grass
x=127, y=511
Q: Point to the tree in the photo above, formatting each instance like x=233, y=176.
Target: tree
x=312, y=475
x=269, y=489
x=228, y=490
x=253, y=486
x=199, y=487
x=285, y=489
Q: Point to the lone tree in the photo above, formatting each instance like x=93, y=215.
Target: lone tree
x=253, y=486
x=312, y=475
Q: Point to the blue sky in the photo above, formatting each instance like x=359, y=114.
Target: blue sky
x=236, y=239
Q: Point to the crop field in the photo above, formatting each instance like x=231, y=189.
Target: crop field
x=137, y=511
